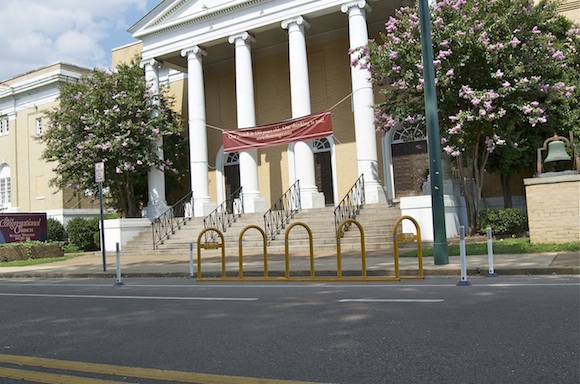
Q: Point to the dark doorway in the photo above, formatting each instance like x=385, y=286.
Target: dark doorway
x=232, y=178
x=323, y=174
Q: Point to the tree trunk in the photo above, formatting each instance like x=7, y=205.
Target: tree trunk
x=130, y=198
x=506, y=190
x=465, y=174
x=122, y=201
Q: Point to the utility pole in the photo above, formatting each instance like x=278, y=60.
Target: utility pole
x=440, y=249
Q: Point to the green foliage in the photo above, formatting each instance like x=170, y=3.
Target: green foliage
x=506, y=73
x=112, y=117
x=81, y=233
x=30, y=249
x=70, y=248
x=508, y=221
x=55, y=230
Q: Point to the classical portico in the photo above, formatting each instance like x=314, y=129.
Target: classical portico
x=237, y=39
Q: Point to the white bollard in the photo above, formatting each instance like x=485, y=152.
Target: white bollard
x=119, y=282
x=463, y=282
x=190, y=261
x=491, y=272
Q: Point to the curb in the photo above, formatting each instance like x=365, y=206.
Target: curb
x=450, y=272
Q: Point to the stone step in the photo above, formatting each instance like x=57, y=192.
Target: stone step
x=376, y=221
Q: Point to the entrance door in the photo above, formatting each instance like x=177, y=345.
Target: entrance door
x=410, y=160
x=323, y=170
x=232, y=177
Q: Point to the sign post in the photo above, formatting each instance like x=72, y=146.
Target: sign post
x=100, y=178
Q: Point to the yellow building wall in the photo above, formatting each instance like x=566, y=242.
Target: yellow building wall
x=126, y=53
x=30, y=174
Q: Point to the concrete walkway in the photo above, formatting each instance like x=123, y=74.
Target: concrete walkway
x=378, y=263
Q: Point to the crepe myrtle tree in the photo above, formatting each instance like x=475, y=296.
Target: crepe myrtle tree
x=112, y=117
x=506, y=73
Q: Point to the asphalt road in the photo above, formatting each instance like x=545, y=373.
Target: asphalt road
x=499, y=330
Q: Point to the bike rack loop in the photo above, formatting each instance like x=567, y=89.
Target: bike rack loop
x=240, y=246
x=287, y=258
x=211, y=245
x=338, y=249
x=408, y=238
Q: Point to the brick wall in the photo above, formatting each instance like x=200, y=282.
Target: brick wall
x=553, y=208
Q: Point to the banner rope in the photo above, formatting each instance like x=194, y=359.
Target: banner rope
x=340, y=102
x=329, y=109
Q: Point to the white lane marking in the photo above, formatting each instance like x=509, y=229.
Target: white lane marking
x=133, y=297
x=391, y=301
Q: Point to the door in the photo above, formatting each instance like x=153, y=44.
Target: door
x=232, y=178
x=410, y=160
x=323, y=169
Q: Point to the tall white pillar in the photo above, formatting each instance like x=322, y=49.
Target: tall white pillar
x=157, y=203
x=363, y=100
x=198, y=167
x=300, y=97
x=246, y=113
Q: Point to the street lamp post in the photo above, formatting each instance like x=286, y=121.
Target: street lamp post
x=440, y=250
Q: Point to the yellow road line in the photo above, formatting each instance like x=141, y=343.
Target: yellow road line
x=49, y=378
x=143, y=373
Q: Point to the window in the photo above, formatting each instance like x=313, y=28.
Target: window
x=5, y=187
x=39, y=126
x=3, y=125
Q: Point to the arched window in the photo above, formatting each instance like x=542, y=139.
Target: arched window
x=232, y=158
x=5, y=186
x=408, y=133
x=321, y=145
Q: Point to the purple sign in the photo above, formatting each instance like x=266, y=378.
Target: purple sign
x=16, y=227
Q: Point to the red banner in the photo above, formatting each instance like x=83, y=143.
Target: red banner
x=22, y=226
x=304, y=128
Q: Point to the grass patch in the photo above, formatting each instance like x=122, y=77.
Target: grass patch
x=27, y=262
x=502, y=246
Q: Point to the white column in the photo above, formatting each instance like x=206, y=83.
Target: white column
x=300, y=96
x=198, y=167
x=246, y=113
x=157, y=203
x=363, y=100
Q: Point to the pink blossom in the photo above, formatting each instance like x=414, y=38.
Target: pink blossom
x=558, y=55
x=515, y=42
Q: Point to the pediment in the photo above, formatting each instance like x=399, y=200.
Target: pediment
x=173, y=12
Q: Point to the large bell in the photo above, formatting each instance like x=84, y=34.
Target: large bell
x=557, y=152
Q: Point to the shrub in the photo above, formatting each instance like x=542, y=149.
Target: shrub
x=29, y=250
x=507, y=221
x=55, y=230
x=70, y=248
x=81, y=232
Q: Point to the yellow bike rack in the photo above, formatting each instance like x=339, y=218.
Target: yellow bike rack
x=264, y=241
x=287, y=258
x=363, y=256
x=362, y=248
x=408, y=238
x=211, y=245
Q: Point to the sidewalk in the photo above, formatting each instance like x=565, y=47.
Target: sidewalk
x=378, y=263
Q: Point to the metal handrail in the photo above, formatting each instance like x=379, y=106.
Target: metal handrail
x=225, y=214
x=350, y=205
x=282, y=211
x=172, y=219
